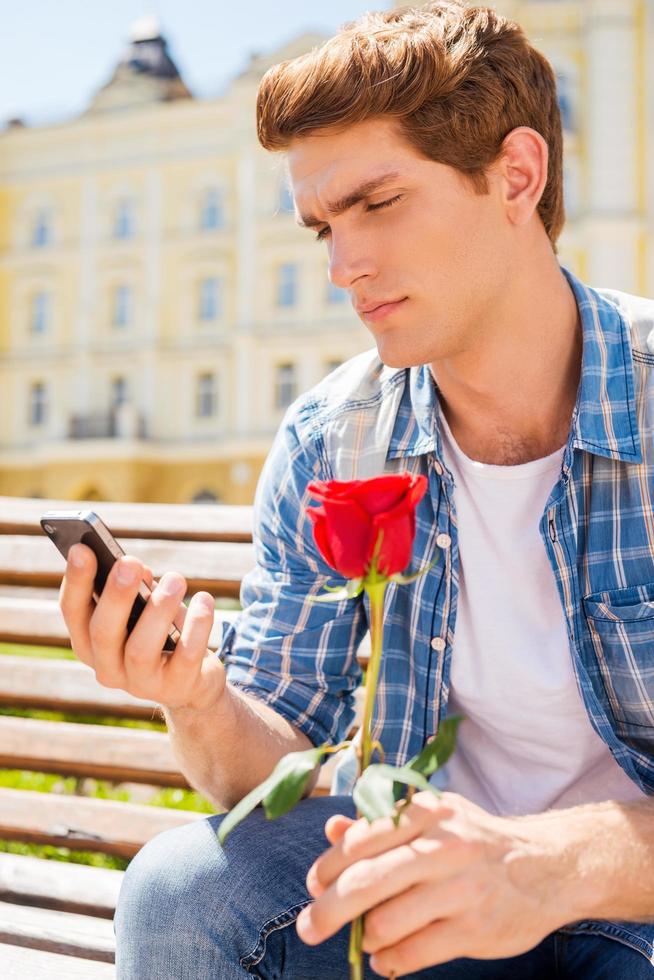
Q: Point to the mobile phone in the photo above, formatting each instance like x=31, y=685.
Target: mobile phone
x=68, y=527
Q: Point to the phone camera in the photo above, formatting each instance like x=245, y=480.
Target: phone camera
x=49, y=528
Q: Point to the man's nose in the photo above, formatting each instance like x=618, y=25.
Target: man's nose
x=349, y=262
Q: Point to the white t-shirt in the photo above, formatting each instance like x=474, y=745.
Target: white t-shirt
x=526, y=743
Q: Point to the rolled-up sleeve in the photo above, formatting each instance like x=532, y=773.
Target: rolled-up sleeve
x=296, y=655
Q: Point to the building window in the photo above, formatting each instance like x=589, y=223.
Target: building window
x=336, y=295
x=332, y=365
x=40, y=312
x=119, y=391
x=285, y=385
x=37, y=403
x=211, y=211
x=209, y=299
x=42, y=229
x=205, y=497
x=124, y=220
x=287, y=285
x=206, y=402
x=286, y=202
x=121, y=315
x=565, y=102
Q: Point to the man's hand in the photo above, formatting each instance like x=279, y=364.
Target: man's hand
x=190, y=677
x=452, y=880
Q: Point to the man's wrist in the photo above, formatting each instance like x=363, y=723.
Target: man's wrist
x=576, y=881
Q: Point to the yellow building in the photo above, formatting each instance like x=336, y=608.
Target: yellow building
x=602, y=52
x=159, y=307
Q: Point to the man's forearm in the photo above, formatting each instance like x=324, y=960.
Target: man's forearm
x=230, y=748
x=605, y=855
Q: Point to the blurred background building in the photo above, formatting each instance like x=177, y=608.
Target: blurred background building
x=159, y=308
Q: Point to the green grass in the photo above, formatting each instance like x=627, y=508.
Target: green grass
x=180, y=799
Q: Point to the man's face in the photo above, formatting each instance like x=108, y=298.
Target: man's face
x=422, y=240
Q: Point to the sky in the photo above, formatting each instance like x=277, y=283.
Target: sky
x=54, y=54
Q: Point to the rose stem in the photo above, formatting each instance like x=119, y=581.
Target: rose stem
x=375, y=589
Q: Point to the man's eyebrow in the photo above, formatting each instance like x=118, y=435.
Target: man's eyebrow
x=350, y=199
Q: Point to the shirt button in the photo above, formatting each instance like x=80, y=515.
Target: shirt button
x=438, y=643
x=438, y=468
x=443, y=540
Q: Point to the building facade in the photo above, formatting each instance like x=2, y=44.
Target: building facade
x=159, y=308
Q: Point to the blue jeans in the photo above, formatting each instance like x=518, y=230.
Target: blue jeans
x=189, y=910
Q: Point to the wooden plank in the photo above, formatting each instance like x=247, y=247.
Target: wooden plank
x=217, y=567
x=67, y=933
x=39, y=621
x=59, y=885
x=22, y=963
x=84, y=824
x=183, y=522
x=102, y=751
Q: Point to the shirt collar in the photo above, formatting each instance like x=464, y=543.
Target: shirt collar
x=604, y=418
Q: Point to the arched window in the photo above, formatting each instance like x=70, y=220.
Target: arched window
x=123, y=227
x=286, y=291
x=38, y=405
x=286, y=203
x=205, y=497
x=121, y=313
x=119, y=391
x=41, y=234
x=285, y=385
x=209, y=299
x=211, y=210
x=40, y=312
x=206, y=396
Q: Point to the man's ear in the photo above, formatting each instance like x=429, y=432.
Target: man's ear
x=522, y=171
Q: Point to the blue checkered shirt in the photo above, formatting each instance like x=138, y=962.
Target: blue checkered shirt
x=597, y=528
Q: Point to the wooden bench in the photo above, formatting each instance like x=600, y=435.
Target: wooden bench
x=56, y=917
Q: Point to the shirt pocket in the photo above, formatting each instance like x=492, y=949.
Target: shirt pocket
x=621, y=625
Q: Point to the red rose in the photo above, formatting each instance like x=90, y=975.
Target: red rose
x=351, y=515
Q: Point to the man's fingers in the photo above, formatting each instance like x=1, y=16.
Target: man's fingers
x=388, y=923
x=336, y=827
x=364, y=840
x=438, y=943
x=188, y=674
x=76, y=599
x=144, y=658
x=371, y=881
x=108, y=624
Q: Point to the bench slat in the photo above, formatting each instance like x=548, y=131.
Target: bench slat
x=39, y=621
x=84, y=824
x=217, y=567
x=183, y=522
x=57, y=932
x=59, y=885
x=101, y=751
x=20, y=963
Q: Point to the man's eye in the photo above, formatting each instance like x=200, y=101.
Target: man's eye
x=371, y=207
x=384, y=204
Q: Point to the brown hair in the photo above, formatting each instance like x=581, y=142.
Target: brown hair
x=458, y=79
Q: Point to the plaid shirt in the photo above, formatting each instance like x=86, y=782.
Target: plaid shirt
x=365, y=419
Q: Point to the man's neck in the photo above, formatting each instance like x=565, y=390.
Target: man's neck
x=510, y=400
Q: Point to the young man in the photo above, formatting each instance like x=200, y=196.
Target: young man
x=424, y=148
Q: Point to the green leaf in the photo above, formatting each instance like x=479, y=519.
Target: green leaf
x=374, y=792
x=294, y=767
x=294, y=771
x=437, y=751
